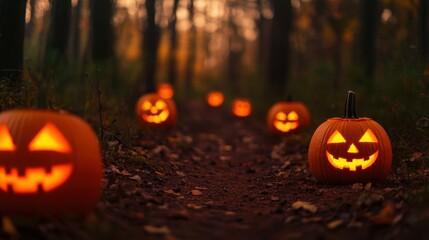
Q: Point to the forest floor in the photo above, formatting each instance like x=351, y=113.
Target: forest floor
x=217, y=177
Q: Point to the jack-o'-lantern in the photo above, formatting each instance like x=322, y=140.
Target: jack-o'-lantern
x=155, y=112
x=241, y=107
x=215, y=99
x=165, y=90
x=350, y=149
x=50, y=163
x=287, y=117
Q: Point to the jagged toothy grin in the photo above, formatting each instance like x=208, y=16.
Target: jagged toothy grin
x=352, y=165
x=34, y=179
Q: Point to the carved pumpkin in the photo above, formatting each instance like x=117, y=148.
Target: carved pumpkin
x=165, y=90
x=241, y=107
x=350, y=149
x=287, y=117
x=215, y=99
x=50, y=163
x=154, y=111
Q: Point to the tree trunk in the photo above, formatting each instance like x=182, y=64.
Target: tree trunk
x=150, y=48
x=12, y=28
x=278, y=69
x=59, y=28
x=369, y=22
x=172, y=65
x=30, y=25
x=75, y=44
x=102, y=29
x=424, y=29
x=190, y=61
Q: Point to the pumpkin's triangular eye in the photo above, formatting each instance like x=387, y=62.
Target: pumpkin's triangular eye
x=50, y=139
x=293, y=116
x=369, y=137
x=336, y=137
x=6, y=142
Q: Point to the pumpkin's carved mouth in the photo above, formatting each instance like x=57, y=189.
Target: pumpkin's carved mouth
x=352, y=165
x=156, y=118
x=34, y=180
x=285, y=126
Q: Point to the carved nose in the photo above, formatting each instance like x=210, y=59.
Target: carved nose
x=353, y=149
x=153, y=110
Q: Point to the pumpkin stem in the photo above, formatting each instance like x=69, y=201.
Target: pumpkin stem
x=350, y=107
x=289, y=98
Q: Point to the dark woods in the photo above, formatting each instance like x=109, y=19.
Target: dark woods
x=263, y=49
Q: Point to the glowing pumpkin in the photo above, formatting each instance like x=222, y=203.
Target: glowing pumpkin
x=165, y=90
x=350, y=149
x=154, y=111
x=287, y=117
x=50, y=163
x=215, y=99
x=241, y=107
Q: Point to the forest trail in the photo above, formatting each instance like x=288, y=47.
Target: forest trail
x=217, y=177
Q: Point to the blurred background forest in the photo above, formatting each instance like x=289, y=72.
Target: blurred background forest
x=75, y=51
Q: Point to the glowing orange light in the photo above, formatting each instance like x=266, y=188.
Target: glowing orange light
x=215, y=99
x=50, y=139
x=6, y=142
x=241, y=107
x=34, y=178
x=165, y=90
x=336, y=137
x=369, y=137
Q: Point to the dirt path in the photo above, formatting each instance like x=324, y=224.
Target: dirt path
x=216, y=177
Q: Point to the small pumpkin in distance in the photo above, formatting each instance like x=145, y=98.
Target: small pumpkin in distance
x=287, y=117
x=350, y=149
x=241, y=107
x=154, y=111
x=215, y=98
x=165, y=90
x=50, y=163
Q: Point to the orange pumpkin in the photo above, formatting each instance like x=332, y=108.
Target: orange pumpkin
x=165, y=90
x=241, y=107
x=50, y=163
x=287, y=117
x=215, y=99
x=350, y=149
x=155, y=112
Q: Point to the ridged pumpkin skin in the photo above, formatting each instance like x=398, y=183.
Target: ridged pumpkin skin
x=350, y=149
x=27, y=155
x=151, y=120
x=287, y=124
x=352, y=130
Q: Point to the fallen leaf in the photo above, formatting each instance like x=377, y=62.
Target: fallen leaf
x=172, y=192
x=385, y=216
x=368, y=186
x=193, y=206
x=230, y=213
x=9, y=227
x=275, y=199
x=196, y=192
x=335, y=224
x=164, y=230
x=125, y=173
x=114, y=169
x=136, y=177
x=305, y=206
x=201, y=188
x=180, y=173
